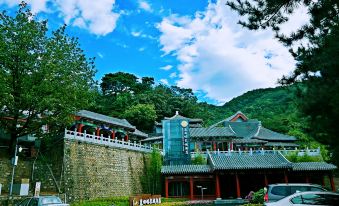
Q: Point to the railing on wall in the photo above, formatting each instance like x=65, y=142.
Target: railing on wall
x=310, y=152
x=101, y=140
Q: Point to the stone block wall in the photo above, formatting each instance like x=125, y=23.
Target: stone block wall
x=93, y=171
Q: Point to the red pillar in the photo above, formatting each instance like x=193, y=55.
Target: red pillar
x=332, y=182
x=214, y=146
x=323, y=181
x=238, y=185
x=191, y=188
x=231, y=145
x=113, y=134
x=80, y=126
x=217, y=186
x=307, y=179
x=285, y=177
x=166, y=187
x=97, y=133
x=126, y=137
x=266, y=180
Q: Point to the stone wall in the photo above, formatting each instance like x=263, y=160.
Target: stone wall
x=93, y=171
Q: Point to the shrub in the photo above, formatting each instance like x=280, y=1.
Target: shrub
x=258, y=197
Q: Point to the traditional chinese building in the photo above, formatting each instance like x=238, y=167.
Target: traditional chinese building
x=242, y=156
x=108, y=127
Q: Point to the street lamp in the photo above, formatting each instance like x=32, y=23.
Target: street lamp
x=202, y=191
x=14, y=162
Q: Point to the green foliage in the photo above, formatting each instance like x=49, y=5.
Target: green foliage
x=151, y=180
x=117, y=201
x=199, y=160
x=293, y=157
x=258, y=197
x=43, y=77
x=142, y=115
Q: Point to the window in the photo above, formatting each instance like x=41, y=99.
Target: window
x=281, y=190
x=24, y=202
x=313, y=199
x=51, y=200
x=295, y=189
x=317, y=189
x=33, y=202
x=297, y=200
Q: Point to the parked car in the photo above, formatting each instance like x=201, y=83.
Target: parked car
x=276, y=192
x=307, y=198
x=42, y=201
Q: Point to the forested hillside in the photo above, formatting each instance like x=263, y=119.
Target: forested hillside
x=141, y=102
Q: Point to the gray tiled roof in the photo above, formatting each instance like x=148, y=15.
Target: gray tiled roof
x=211, y=132
x=245, y=130
x=246, y=161
x=266, y=134
x=140, y=133
x=153, y=139
x=249, y=141
x=307, y=166
x=106, y=119
x=281, y=144
x=185, y=169
x=178, y=116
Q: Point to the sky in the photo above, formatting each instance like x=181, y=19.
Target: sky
x=189, y=43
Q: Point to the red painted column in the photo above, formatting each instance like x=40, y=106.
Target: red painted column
x=97, y=133
x=126, y=137
x=307, y=179
x=113, y=134
x=166, y=187
x=231, y=145
x=285, y=177
x=332, y=182
x=214, y=146
x=191, y=188
x=217, y=186
x=266, y=180
x=80, y=126
x=238, y=185
x=323, y=181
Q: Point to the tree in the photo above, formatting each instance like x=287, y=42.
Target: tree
x=117, y=83
x=43, y=78
x=142, y=115
x=317, y=61
x=151, y=180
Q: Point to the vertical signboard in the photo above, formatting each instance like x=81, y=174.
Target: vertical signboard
x=37, y=189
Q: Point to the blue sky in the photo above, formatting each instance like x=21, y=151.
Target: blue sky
x=190, y=43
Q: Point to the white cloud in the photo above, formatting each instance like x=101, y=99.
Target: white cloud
x=164, y=81
x=145, y=6
x=173, y=75
x=97, y=17
x=141, y=49
x=220, y=58
x=36, y=5
x=166, y=68
x=136, y=33
x=100, y=55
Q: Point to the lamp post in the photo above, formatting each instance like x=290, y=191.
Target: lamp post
x=202, y=191
x=15, y=162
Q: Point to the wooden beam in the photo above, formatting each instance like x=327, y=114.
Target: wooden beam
x=217, y=186
x=266, y=180
x=191, y=188
x=332, y=182
x=285, y=177
x=166, y=187
x=237, y=185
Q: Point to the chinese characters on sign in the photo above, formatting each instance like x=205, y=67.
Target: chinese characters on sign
x=184, y=125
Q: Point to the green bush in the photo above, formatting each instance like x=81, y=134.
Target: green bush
x=258, y=197
x=117, y=201
x=293, y=157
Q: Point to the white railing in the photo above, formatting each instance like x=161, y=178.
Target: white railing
x=101, y=140
x=310, y=152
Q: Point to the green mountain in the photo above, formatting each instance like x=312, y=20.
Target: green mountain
x=274, y=107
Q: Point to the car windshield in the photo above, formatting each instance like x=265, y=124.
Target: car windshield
x=50, y=200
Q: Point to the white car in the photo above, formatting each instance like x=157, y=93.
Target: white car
x=308, y=198
x=42, y=201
